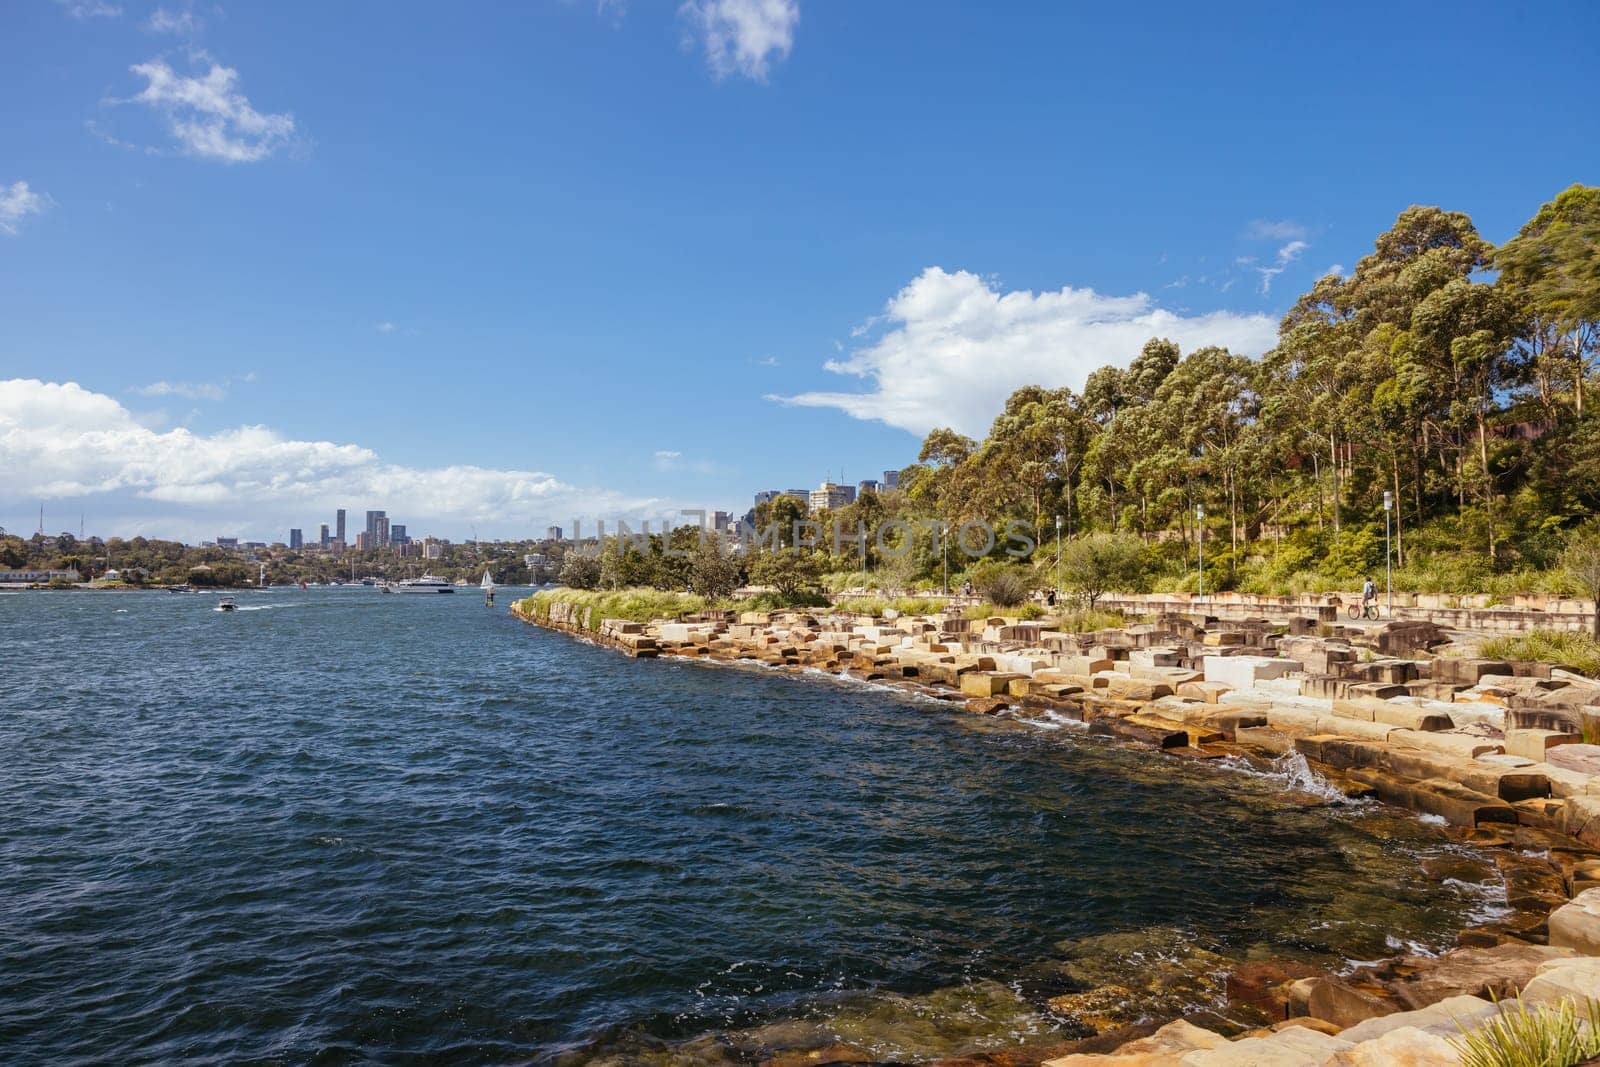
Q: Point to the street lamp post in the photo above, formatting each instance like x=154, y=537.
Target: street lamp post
x=1388, y=557
x=1058, y=555
x=944, y=558
x=1200, y=539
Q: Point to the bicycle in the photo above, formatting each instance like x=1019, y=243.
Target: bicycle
x=1357, y=611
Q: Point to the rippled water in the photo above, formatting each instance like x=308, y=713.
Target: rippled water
x=337, y=827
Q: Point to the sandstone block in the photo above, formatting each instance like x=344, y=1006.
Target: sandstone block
x=1082, y=665
x=1164, y=1047
x=980, y=683
x=1575, y=757
x=1298, y=1046
x=1457, y=804
x=1465, y=746
x=1242, y=672
x=1440, y=1018
x=1534, y=744
x=1210, y=692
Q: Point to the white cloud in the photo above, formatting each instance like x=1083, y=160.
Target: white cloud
x=664, y=453
x=386, y=327
x=180, y=23
x=17, y=202
x=90, y=9
x=60, y=440
x=1286, y=255
x=208, y=115
x=743, y=36
x=1279, y=230
x=1337, y=268
x=957, y=347
x=187, y=390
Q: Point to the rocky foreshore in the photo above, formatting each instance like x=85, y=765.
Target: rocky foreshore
x=1495, y=749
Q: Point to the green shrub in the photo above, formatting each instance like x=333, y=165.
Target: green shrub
x=877, y=606
x=635, y=605
x=1541, y=1037
x=1083, y=622
x=1006, y=584
x=1580, y=651
x=991, y=610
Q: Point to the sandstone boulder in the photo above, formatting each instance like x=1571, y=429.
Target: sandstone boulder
x=1165, y=1047
x=1576, y=925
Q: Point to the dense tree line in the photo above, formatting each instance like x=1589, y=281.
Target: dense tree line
x=1448, y=372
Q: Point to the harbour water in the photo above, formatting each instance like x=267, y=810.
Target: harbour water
x=335, y=826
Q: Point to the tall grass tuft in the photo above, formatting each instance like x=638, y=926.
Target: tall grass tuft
x=1571, y=648
x=877, y=606
x=635, y=605
x=1541, y=1037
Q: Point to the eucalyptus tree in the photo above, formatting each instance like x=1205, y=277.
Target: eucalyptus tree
x=1554, y=264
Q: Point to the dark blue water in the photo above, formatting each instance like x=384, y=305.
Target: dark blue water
x=338, y=827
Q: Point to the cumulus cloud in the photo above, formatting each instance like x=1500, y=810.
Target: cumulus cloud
x=743, y=36
x=956, y=347
x=17, y=202
x=60, y=440
x=208, y=115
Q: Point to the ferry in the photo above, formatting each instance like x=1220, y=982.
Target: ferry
x=428, y=583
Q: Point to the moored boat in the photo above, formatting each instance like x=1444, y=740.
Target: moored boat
x=428, y=583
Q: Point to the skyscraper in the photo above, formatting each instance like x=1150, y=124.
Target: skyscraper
x=397, y=534
x=372, y=528
x=295, y=539
x=339, y=524
x=322, y=535
x=380, y=531
x=891, y=479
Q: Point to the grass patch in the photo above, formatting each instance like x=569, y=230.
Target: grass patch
x=1083, y=622
x=635, y=605
x=905, y=605
x=997, y=611
x=1570, y=648
x=1541, y=1037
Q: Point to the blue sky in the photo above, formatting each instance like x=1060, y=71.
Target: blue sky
x=494, y=266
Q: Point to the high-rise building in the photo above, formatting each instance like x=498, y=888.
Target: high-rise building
x=295, y=540
x=553, y=533
x=868, y=486
x=363, y=541
x=766, y=495
x=397, y=535
x=322, y=535
x=829, y=495
x=380, y=531
x=720, y=521
x=338, y=524
x=891, y=479
x=372, y=524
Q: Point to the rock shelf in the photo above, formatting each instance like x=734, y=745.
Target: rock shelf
x=1496, y=749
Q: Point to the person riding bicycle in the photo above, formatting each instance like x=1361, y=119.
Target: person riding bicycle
x=1369, y=597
